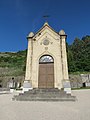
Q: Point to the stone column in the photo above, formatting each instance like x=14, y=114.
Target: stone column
x=28, y=62
x=64, y=55
x=28, y=83
x=66, y=82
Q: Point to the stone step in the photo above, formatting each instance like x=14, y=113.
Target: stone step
x=45, y=99
x=44, y=95
x=42, y=90
x=47, y=93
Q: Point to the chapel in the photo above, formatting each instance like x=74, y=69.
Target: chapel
x=46, y=65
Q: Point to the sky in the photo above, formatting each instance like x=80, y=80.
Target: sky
x=20, y=17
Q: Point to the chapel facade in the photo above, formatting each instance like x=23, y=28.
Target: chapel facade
x=46, y=65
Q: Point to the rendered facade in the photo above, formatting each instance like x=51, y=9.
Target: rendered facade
x=46, y=65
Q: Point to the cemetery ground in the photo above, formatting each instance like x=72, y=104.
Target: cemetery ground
x=25, y=110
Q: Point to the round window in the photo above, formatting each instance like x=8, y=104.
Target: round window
x=46, y=42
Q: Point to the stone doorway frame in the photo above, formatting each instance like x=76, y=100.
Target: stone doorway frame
x=46, y=62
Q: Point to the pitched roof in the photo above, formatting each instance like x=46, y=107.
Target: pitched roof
x=46, y=24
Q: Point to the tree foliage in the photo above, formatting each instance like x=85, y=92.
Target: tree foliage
x=79, y=55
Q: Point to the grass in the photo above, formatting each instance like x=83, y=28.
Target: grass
x=80, y=88
x=78, y=73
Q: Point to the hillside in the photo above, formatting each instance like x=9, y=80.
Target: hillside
x=12, y=64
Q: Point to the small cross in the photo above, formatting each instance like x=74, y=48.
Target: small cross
x=46, y=17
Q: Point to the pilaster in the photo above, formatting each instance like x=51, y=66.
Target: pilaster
x=29, y=57
x=64, y=57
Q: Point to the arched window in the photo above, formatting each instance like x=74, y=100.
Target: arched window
x=46, y=59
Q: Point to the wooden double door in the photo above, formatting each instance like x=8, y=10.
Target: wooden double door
x=46, y=75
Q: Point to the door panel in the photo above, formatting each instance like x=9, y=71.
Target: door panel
x=46, y=75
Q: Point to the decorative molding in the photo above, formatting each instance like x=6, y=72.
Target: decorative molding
x=46, y=48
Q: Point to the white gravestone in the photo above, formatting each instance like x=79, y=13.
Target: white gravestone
x=67, y=87
x=26, y=86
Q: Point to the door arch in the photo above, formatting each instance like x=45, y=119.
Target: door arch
x=46, y=72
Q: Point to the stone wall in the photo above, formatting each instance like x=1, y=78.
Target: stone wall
x=82, y=80
x=5, y=80
x=75, y=80
x=10, y=74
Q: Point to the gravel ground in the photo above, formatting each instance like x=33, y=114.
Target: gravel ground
x=16, y=110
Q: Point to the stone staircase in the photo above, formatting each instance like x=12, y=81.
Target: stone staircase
x=44, y=95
